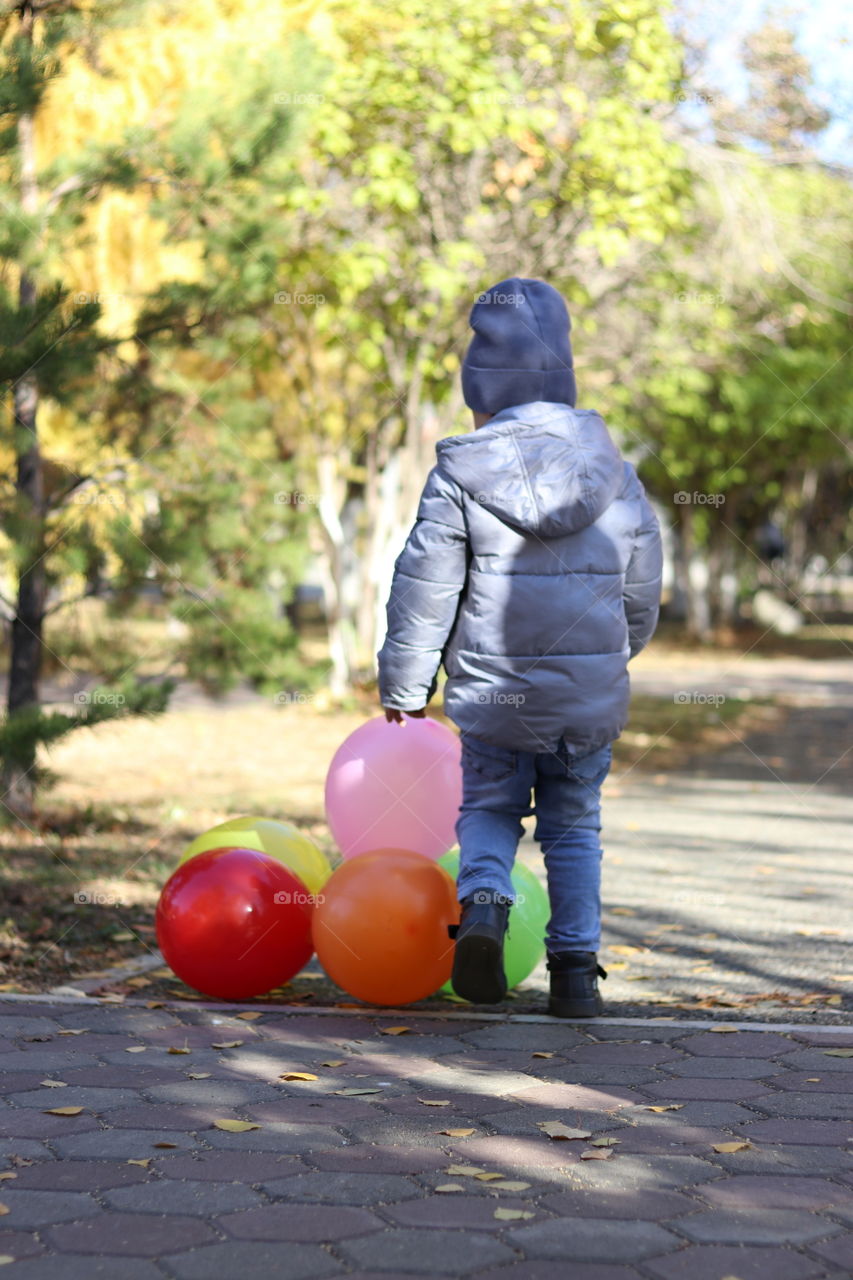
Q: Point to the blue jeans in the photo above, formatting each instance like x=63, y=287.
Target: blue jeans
x=496, y=787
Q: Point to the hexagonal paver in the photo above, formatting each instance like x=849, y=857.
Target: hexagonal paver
x=749, y=1262
x=306, y=1223
x=470, y=1212
x=747, y=1044
x=68, y=1266
x=593, y=1239
x=118, y=1144
x=432, y=1252
x=647, y=1203
x=774, y=1192
x=202, y=1199
x=249, y=1258
x=37, y=1208
x=808, y=1132
x=342, y=1188
x=139, y=1235
x=754, y=1226
x=245, y=1167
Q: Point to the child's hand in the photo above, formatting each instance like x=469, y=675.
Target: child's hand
x=391, y=713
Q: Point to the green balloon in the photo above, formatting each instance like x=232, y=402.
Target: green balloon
x=524, y=945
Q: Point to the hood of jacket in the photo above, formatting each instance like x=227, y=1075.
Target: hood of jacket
x=545, y=468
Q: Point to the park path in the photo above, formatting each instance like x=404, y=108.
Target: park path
x=350, y=1174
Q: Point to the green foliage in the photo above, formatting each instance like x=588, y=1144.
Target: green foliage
x=23, y=732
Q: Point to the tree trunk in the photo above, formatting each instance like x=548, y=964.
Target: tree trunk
x=27, y=651
x=333, y=570
x=696, y=579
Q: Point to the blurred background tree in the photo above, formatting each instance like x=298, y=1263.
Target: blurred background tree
x=239, y=246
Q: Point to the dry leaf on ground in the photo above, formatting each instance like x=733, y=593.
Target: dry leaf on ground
x=297, y=1075
x=457, y=1133
x=726, y=1147
x=597, y=1153
x=227, y=1044
x=235, y=1126
x=556, y=1129
x=509, y=1214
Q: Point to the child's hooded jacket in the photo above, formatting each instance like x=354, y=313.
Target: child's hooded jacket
x=533, y=571
x=534, y=567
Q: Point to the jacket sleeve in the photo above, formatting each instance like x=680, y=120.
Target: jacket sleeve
x=429, y=575
x=643, y=580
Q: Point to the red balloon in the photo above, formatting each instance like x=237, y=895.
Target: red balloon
x=234, y=923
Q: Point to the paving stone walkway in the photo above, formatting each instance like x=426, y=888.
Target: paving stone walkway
x=343, y=1174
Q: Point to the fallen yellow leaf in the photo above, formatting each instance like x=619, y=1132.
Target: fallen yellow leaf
x=540, y=1054
x=198, y=1075
x=722, y=1027
x=297, y=1075
x=63, y=1111
x=250, y=1015
x=487, y=1175
x=556, y=1129
x=137, y=1048
x=597, y=1153
x=138, y=982
x=450, y=1186
x=4, y=1209
x=235, y=1126
x=155, y=1004
x=726, y=1147
x=334, y=1062
x=431, y=1102
x=839, y=1053
x=174, y=1049
x=509, y=1214
x=4, y=1176
x=457, y=1133
x=393, y=1031
x=812, y=1079
x=622, y=911
x=168, y=1145
x=625, y=950
x=507, y=1184
x=605, y=1142
x=464, y=1170
x=54, y=1084
x=670, y=1106
x=227, y=1044
x=69, y=1031
x=142, y=1163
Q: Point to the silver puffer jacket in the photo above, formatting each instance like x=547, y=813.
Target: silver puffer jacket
x=533, y=572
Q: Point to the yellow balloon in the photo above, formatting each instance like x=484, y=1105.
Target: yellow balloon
x=280, y=840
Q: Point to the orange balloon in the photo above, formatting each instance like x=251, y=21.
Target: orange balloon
x=380, y=926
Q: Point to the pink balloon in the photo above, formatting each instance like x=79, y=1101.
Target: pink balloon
x=395, y=786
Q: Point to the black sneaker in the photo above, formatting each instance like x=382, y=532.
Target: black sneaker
x=478, y=960
x=574, y=984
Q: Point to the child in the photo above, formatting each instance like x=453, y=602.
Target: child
x=533, y=574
